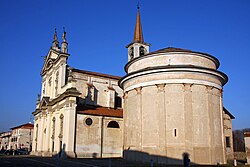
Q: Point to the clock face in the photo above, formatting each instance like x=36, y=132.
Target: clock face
x=131, y=53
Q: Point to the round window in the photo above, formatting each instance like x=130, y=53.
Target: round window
x=89, y=121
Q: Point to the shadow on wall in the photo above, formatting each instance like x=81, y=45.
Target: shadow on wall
x=138, y=156
x=62, y=153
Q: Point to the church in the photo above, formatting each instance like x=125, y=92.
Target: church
x=168, y=104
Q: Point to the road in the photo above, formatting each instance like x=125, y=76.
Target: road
x=33, y=161
x=30, y=161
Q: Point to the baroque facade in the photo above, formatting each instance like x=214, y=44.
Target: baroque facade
x=172, y=102
x=79, y=112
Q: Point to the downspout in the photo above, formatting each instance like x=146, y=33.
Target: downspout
x=75, y=129
x=101, y=136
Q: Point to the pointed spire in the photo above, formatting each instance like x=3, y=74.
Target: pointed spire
x=64, y=35
x=55, y=43
x=55, y=35
x=64, y=48
x=138, y=36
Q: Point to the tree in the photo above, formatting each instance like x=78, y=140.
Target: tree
x=238, y=139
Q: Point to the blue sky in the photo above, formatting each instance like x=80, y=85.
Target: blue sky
x=97, y=33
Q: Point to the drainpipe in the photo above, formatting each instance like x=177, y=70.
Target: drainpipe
x=101, y=136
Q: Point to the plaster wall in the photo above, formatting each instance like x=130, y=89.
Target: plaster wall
x=183, y=118
x=55, y=128
x=99, y=91
x=247, y=146
x=228, y=133
x=97, y=139
x=172, y=59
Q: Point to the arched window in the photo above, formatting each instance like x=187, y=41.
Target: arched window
x=131, y=52
x=118, y=102
x=142, y=51
x=113, y=124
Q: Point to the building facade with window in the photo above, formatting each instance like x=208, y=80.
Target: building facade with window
x=5, y=139
x=172, y=102
x=21, y=137
x=228, y=117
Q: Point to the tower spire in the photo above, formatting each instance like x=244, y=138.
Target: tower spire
x=137, y=47
x=64, y=35
x=55, y=35
x=55, y=43
x=64, y=48
x=138, y=36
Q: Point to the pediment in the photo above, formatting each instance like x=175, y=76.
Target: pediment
x=44, y=102
x=49, y=60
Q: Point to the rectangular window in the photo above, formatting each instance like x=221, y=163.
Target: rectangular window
x=227, y=141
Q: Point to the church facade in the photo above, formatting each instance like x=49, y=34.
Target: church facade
x=79, y=112
x=168, y=104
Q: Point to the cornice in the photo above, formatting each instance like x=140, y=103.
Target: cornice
x=177, y=68
x=152, y=54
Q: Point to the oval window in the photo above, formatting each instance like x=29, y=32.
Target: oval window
x=88, y=121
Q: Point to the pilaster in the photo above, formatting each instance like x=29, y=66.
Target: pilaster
x=69, y=131
x=48, y=134
x=188, y=115
x=162, y=121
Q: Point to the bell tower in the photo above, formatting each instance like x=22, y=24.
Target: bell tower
x=137, y=47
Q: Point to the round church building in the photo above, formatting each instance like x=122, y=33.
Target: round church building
x=172, y=105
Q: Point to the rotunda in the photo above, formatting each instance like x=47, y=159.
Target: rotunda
x=172, y=105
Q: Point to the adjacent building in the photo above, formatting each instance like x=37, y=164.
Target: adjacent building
x=5, y=139
x=247, y=146
x=228, y=133
x=168, y=105
x=20, y=137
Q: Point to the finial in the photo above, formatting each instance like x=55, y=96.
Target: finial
x=55, y=35
x=138, y=5
x=38, y=97
x=64, y=35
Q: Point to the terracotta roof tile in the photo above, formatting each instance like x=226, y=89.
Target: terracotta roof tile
x=23, y=126
x=96, y=74
x=100, y=111
x=172, y=49
x=247, y=134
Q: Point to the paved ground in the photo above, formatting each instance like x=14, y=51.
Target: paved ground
x=32, y=161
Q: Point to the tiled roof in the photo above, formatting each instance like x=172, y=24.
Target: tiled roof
x=23, y=126
x=96, y=74
x=172, y=49
x=100, y=111
x=247, y=134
